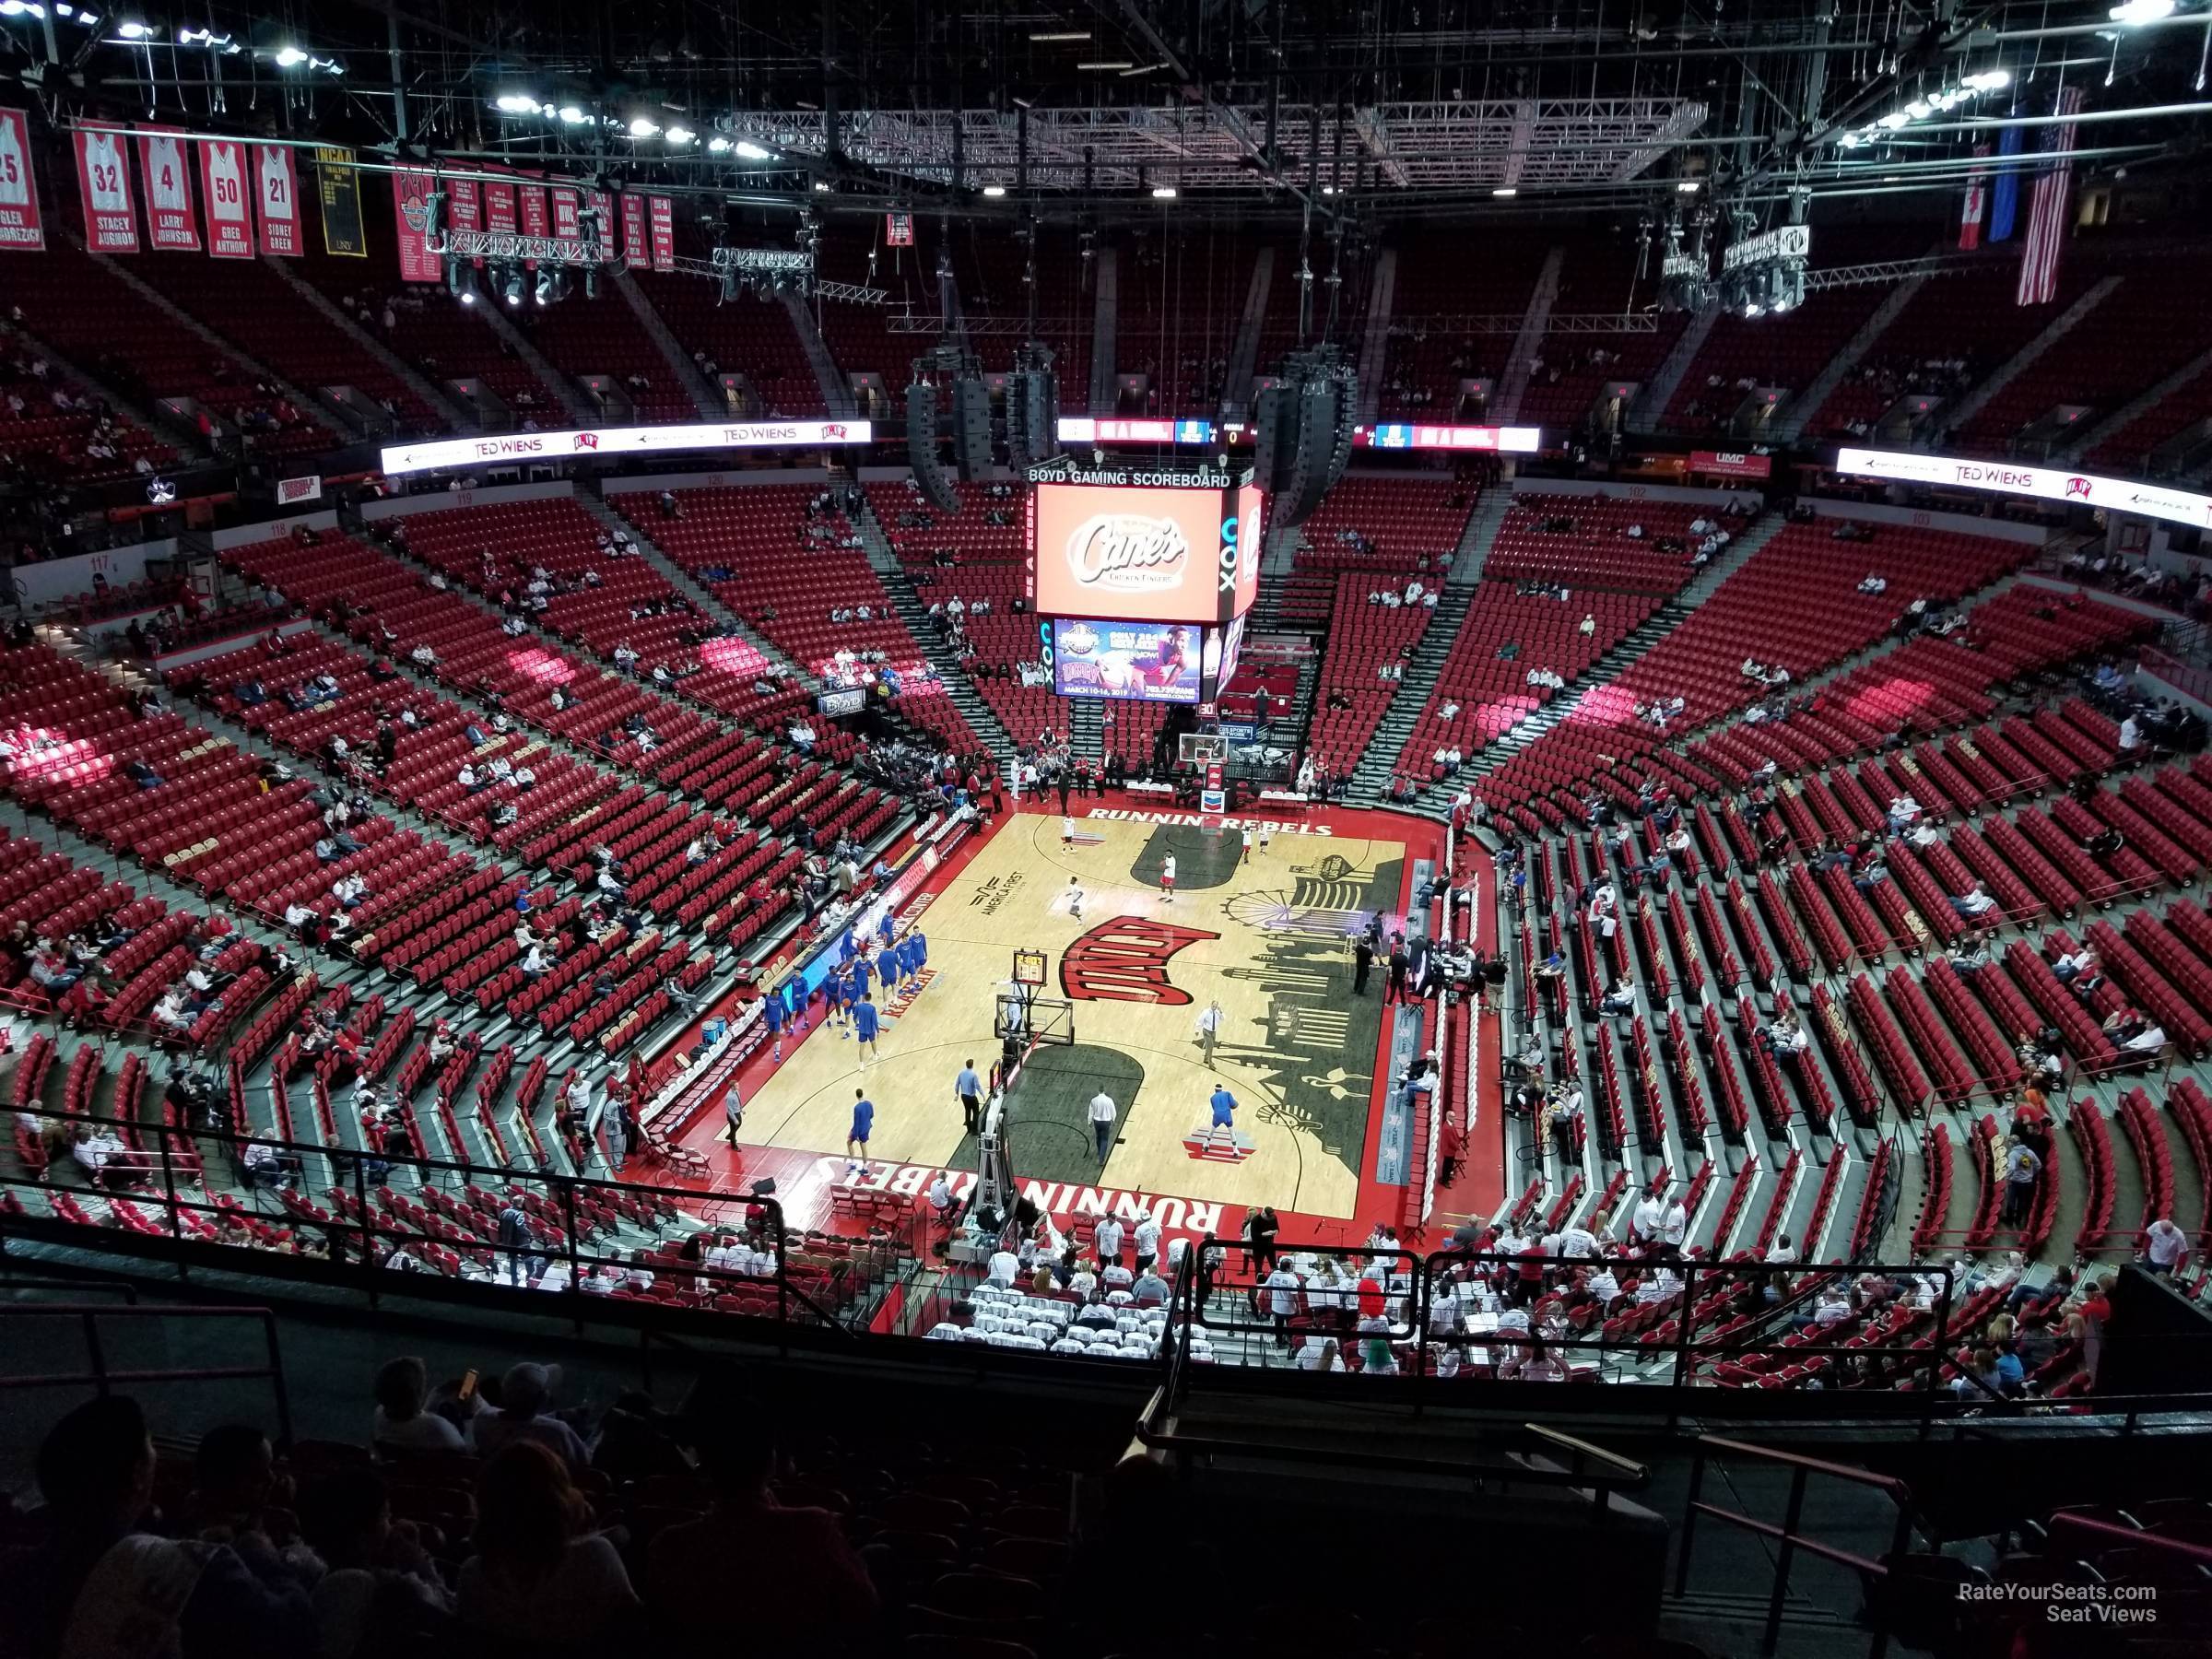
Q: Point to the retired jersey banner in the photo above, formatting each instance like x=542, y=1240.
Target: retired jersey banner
x=223, y=187
x=603, y=206
x=170, y=222
x=664, y=233
x=276, y=199
x=411, y=191
x=537, y=219
x=20, y=227
x=103, y=183
x=338, y=189
x=898, y=230
x=564, y=214
x=637, y=244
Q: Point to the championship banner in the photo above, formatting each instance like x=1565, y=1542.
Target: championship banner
x=20, y=227
x=499, y=208
x=411, y=190
x=637, y=247
x=564, y=213
x=276, y=194
x=537, y=219
x=603, y=205
x=223, y=187
x=103, y=183
x=170, y=223
x=664, y=233
x=464, y=205
x=898, y=230
x=338, y=188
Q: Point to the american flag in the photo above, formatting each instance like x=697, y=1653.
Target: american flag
x=2047, y=217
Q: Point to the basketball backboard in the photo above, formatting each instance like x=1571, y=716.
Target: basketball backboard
x=1029, y=967
x=1199, y=749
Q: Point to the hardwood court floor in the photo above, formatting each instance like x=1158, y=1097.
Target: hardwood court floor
x=1267, y=938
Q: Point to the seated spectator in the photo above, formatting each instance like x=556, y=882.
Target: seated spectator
x=401, y=1423
x=89, y=1570
x=540, y=1580
x=803, y=1588
x=526, y=1398
x=381, y=1594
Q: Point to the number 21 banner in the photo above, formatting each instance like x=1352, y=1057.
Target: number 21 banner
x=277, y=191
x=223, y=184
x=170, y=221
x=104, y=180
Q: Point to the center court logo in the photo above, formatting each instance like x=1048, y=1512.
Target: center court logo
x=1126, y=960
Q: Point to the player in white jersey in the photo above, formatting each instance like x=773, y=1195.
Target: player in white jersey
x=1167, y=879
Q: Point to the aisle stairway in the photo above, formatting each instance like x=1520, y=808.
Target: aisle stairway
x=1372, y=776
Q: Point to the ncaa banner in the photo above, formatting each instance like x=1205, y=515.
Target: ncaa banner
x=664, y=233
x=411, y=191
x=223, y=184
x=20, y=227
x=276, y=195
x=170, y=222
x=637, y=248
x=338, y=189
x=564, y=214
x=103, y=183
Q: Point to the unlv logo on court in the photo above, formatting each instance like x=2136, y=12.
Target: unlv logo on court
x=1126, y=960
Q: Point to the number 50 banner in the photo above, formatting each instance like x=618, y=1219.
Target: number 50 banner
x=223, y=184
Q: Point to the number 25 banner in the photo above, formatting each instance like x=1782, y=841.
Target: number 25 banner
x=170, y=222
x=277, y=191
x=223, y=184
x=103, y=180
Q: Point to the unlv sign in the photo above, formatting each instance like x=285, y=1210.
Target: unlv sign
x=615, y=441
x=2043, y=483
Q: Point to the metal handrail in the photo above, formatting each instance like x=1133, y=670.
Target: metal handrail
x=103, y=1377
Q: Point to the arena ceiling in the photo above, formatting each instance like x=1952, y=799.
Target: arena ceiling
x=1351, y=109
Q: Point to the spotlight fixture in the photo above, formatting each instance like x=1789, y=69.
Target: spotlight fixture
x=2132, y=13
x=1163, y=193
x=515, y=103
x=572, y=116
x=718, y=146
x=289, y=57
x=680, y=135
x=1505, y=192
x=514, y=285
x=749, y=151
x=644, y=127
x=994, y=190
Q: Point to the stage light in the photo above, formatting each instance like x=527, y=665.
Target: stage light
x=644, y=127
x=822, y=187
x=515, y=103
x=718, y=146
x=572, y=116
x=544, y=294
x=1687, y=186
x=677, y=134
x=1505, y=192
x=2134, y=12
x=994, y=190
x=289, y=57
x=514, y=286
x=749, y=151
x=1163, y=193
x=133, y=31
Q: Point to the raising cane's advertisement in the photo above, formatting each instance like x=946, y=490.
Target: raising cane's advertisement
x=1139, y=553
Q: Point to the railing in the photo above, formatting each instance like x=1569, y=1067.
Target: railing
x=1787, y=1537
x=103, y=1377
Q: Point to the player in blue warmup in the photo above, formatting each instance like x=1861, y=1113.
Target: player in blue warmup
x=772, y=1010
x=1224, y=1107
x=834, y=1001
x=864, y=1021
x=920, y=944
x=794, y=1006
x=887, y=928
x=848, y=948
x=863, y=1121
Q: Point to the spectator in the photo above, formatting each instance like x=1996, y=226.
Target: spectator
x=539, y=1579
x=525, y=1393
x=94, y=1580
x=401, y=1423
x=381, y=1592
x=802, y=1587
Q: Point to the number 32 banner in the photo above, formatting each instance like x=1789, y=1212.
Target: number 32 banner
x=103, y=180
x=223, y=184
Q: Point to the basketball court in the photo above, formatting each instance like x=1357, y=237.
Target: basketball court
x=1125, y=985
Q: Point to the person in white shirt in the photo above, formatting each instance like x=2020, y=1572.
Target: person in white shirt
x=1147, y=1242
x=2164, y=1245
x=1973, y=902
x=1645, y=1219
x=1577, y=1241
x=1006, y=1266
x=1320, y=1353
x=2131, y=735
x=1106, y=1238
x=1282, y=1291
x=1604, y=1288
x=1675, y=1225
x=2149, y=1040
x=1101, y=1130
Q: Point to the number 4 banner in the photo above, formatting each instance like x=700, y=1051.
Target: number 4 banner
x=277, y=191
x=170, y=221
x=104, y=180
x=223, y=182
